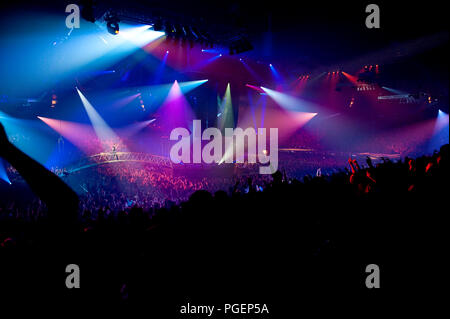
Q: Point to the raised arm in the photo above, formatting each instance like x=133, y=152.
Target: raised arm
x=352, y=165
x=61, y=201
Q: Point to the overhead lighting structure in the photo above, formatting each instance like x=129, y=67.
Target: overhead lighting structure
x=179, y=28
x=112, y=23
x=240, y=45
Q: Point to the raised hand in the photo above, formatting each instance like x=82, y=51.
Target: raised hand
x=369, y=161
x=61, y=201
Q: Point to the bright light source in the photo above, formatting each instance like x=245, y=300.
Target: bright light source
x=141, y=35
x=101, y=128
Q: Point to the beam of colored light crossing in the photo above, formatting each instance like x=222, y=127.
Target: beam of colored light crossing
x=332, y=79
x=300, y=83
x=211, y=51
x=314, y=79
x=257, y=89
x=188, y=86
x=397, y=92
x=140, y=36
x=94, y=46
x=250, y=70
x=276, y=74
x=175, y=111
x=289, y=102
x=61, y=54
x=440, y=133
x=3, y=174
x=204, y=63
x=29, y=136
x=285, y=122
x=133, y=129
x=226, y=108
x=124, y=101
x=442, y=121
x=81, y=135
x=353, y=79
x=157, y=94
x=160, y=70
x=105, y=134
x=162, y=90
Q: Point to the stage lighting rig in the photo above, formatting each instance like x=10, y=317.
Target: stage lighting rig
x=240, y=45
x=204, y=31
x=54, y=100
x=179, y=33
x=191, y=36
x=112, y=23
x=170, y=30
x=369, y=75
x=199, y=37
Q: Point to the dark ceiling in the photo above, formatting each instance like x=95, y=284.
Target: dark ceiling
x=295, y=32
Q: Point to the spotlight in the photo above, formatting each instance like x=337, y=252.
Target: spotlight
x=352, y=102
x=112, y=23
x=113, y=28
x=270, y=64
x=54, y=100
x=170, y=30
x=141, y=102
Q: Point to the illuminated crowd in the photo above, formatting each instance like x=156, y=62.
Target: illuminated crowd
x=118, y=187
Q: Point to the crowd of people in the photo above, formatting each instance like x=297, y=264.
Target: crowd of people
x=137, y=226
x=120, y=186
x=115, y=187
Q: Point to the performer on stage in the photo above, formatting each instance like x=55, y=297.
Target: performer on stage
x=114, y=152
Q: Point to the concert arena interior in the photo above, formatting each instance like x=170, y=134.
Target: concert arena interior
x=196, y=159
